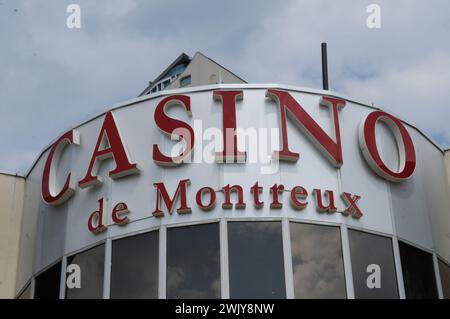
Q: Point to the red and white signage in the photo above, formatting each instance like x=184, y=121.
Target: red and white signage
x=111, y=144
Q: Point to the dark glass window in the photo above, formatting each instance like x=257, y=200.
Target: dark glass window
x=256, y=265
x=47, y=284
x=176, y=70
x=193, y=262
x=444, y=271
x=91, y=263
x=134, y=267
x=166, y=83
x=185, y=81
x=373, y=266
x=317, y=261
x=418, y=273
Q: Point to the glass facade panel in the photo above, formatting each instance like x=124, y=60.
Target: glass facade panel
x=317, y=261
x=166, y=83
x=134, y=266
x=91, y=263
x=193, y=262
x=418, y=273
x=47, y=284
x=176, y=70
x=444, y=272
x=256, y=265
x=373, y=266
x=185, y=81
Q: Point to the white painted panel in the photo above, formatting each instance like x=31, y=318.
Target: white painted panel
x=84, y=201
x=52, y=231
x=409, y=198
x=358, y=178
x=29, y=234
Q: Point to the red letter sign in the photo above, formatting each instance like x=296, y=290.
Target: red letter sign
x=112, y=147
x=256, y=191
x=212, y=198
x=368, y=144
x=161, y=192
x=48, y=189
x=331, y=149
x=118, y=213
x=230, y=153
x=227, y=204
x=95, y=220
x=174, y=128
x=298, y=196
x=331, y=207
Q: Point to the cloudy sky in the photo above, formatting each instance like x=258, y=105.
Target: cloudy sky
x=52, y=77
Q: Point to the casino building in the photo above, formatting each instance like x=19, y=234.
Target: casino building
x=206, y=186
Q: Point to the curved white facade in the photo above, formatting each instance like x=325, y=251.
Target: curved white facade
x=414, y=211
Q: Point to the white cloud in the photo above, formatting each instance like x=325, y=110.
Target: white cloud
x=403, y=67
x=418, y=93
x=52, y=76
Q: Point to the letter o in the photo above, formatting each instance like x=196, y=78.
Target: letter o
x=212, y=198
x=368, y=144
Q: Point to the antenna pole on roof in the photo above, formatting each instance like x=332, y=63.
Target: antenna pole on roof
x=324, y=66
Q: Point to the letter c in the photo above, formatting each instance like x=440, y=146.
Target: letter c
x=48, y=190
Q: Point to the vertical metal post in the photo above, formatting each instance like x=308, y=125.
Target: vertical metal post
x=324, y=66
x=32, y=287
x=62, y=285
x=224, y=275
x=287, y=254
x=107, y=269
x=162, y=262
x=347, y=262
x=437, y=276
x=398, y=268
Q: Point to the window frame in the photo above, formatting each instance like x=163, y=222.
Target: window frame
x=344, y=245
x=224, y=271
x=188, y=76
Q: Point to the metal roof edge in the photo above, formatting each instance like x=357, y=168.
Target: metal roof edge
x=160, y=76
x=227, y=86
x=11, y=174
x=220, y=65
